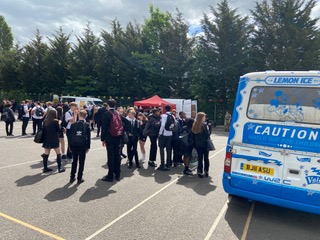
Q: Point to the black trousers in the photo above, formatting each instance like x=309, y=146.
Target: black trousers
x=153, y=148
x=36, y=124
x=175, y=144
x=165, y=143
x=203, y=156
x=114, y=160
x=132, y=149
x=69, y=153
x=9, y=128
x=25, y=121
x=79, y=155
x=98, y=128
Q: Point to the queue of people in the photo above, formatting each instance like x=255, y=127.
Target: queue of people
x=173, y=134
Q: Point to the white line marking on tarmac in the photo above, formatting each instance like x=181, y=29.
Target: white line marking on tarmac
x=216, y=222
x=138, y=205
x=20, y=164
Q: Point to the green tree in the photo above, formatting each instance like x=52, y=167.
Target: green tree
x=153, y=31
x=285, y=36
x=34, y=66
x=10, y=74
x=60, y=60
x=84, y=60
x=177, y=56
x=6, y=37
x=222, y=56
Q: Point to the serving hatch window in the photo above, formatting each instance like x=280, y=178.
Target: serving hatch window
x=297, y=104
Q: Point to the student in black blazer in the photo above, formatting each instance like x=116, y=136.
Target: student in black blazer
x=133, y=137
x=112, y=143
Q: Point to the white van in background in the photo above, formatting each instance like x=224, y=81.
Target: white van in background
x=273, y=149
x=81, y=101
x=184, y=105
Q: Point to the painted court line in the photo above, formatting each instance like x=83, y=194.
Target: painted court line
x=216, y=222
x=30, y=226
x=131, y=210
x=20, y=164
x=138, y=205
x=246, y=227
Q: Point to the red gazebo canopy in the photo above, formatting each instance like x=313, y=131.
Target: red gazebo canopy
x=154, y=101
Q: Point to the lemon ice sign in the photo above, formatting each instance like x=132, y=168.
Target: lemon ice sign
x=293, y=80
x=295, y=138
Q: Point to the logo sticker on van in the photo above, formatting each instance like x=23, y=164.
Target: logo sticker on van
x=265, y=154
x=304, y=159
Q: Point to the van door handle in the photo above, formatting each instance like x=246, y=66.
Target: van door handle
x=292, y=171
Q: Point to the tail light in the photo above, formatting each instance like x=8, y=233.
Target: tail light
x=227, y=162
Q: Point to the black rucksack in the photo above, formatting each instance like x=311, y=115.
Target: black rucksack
x=39, y=112
x=64, y=123
x=169, y=123
x=21, y=111
x=78, y=134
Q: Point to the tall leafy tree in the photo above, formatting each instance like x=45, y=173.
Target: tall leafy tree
x=34, y=66
x=84, y=62
x=153, y=32
x=285, y=36
x=177, y=56
x=6, y=36
x=10, y=74
x=59, y=59
x=222, y=55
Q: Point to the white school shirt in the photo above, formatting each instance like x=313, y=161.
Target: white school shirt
x=26, y=114
x=34, y=112
x=162, y=130
x=67, y=117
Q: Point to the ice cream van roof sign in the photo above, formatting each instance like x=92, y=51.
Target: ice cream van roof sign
x=294, y=80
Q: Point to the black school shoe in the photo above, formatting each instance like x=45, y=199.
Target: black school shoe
x=152, y=164
x=80, y=181
x=72, y=180
x=106, y=179
x=46, y=170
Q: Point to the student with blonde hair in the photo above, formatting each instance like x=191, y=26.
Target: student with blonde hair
x=142, y=139
x=201, y=135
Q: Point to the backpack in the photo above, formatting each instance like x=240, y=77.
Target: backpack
x=21, y=112
x=169, y=123
x=116, y=125
x=39, y=112
x=4, y=116
x=64, y=123
x=175, y=129
x=79, y=134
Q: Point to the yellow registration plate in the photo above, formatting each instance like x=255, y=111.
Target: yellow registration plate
x=256, y=169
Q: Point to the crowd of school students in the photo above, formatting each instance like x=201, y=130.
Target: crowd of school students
x=116, y=127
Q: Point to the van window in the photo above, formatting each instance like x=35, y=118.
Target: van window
x=98, y=103
x=68, y=99
x=297, y=104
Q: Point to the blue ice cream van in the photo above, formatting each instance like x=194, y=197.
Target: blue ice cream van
x=273, y=149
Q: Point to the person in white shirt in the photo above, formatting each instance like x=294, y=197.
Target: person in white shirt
x=25, y=117
x=165, y=137
x=37, y=117
x=70, y=117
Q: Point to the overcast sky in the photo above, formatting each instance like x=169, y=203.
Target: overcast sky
x=25, y=16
